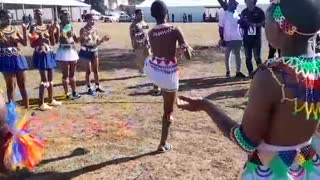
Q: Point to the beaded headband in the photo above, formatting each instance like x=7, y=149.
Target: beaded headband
x=284, y=24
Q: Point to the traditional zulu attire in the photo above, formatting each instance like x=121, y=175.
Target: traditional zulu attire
x=140, y=42
x=43, y=56
x=163, y=71
x=89, y=50
x=11, y=60
x=299, y=162
x=67, y=51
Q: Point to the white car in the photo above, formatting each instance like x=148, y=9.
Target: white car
x=125, y=18
x=111, y=18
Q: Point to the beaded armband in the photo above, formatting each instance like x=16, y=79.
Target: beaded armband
x=237, y=135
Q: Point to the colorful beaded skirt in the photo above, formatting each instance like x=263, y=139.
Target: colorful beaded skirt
x=11, y=61
x=269, y=162
x=163, y=73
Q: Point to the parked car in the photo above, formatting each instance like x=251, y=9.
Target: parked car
x=111, y=18
x=125, y=18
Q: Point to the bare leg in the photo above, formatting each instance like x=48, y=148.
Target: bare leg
x=95, y=68
x=43, y=85
x=21, y=79
x=50, y=87
x=169, y=101
x=65, y=75
x=10, y=83
x=88, y=72
x=72, y=79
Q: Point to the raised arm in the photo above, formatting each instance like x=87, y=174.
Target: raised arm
x=183, y=44
x=22, y=38
x=132, y=32
x=256, y=118
x=223, y=4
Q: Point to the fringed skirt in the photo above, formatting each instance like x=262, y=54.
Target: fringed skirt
x=67, y=53
x=163, y=73
x=88, y=53
x=44, y=60
x=301, y=162
x=11, y=61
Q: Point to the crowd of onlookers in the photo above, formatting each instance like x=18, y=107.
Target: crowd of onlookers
x=244, y=29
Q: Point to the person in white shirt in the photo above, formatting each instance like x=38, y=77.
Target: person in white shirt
x=230, y=36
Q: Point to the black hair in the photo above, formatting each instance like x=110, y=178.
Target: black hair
x=304, y=14
x=64, y=11
x=88, y=16
x=137, y=11
x=4, y=12
x=159, y=10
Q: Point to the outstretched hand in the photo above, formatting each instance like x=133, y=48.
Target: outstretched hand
x=106, y=38
x=190, y=104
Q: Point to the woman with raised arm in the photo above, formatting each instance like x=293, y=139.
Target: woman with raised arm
x=282, y=114
x=162, y=66
x=41, y=38
x=12, y=63
x=67, y=54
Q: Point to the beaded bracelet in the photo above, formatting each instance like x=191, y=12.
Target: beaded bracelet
x=237, y=135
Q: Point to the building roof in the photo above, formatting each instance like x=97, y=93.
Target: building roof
x=188, y=3
x=46, y=2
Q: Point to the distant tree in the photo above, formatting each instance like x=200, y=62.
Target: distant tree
x=97, y=5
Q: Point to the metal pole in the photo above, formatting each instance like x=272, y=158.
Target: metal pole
x=56, y=9
x=2, y=5
x=24, y=11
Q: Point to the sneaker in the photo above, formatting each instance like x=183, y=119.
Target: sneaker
x=67, y=96
x=240, y=75
x=142, y=73
x=55, y=103
x=228, y=74
x=75, y=95
x=156, y=91
x=90, y=91
x=99, y=89
x=45, y=107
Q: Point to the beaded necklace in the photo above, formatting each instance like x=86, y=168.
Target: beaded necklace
x=7, y=32
x=307, y=88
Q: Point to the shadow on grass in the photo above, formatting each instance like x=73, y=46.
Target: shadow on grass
x=82, y=82
x=198, y=83
x=238, y=93
x=91, y=168
x=76, y=152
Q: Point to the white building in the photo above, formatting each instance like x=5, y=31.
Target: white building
x=194, y=7
x=114, y=4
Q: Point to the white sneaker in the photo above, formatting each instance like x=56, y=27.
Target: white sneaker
x=55, y=103
x=45, y=107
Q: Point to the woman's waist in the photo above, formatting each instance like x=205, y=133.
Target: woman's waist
x=283, y=156
x=9, y=51
x=89, y=48
x=163, y=61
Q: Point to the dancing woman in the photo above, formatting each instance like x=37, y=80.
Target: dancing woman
x=162, y=67
x=12, y=63
x=90, y=41
x=67, y=55
x=41, y=38
x=282, y=114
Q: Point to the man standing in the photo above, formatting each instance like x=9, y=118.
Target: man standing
x=139, y=39
x=140, y=42
x=251, y=22
x=172, y=18
x=230, y=35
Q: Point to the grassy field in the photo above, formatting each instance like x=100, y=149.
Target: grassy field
x=114, y=135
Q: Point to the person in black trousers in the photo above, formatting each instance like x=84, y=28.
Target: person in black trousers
x=272, y=52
